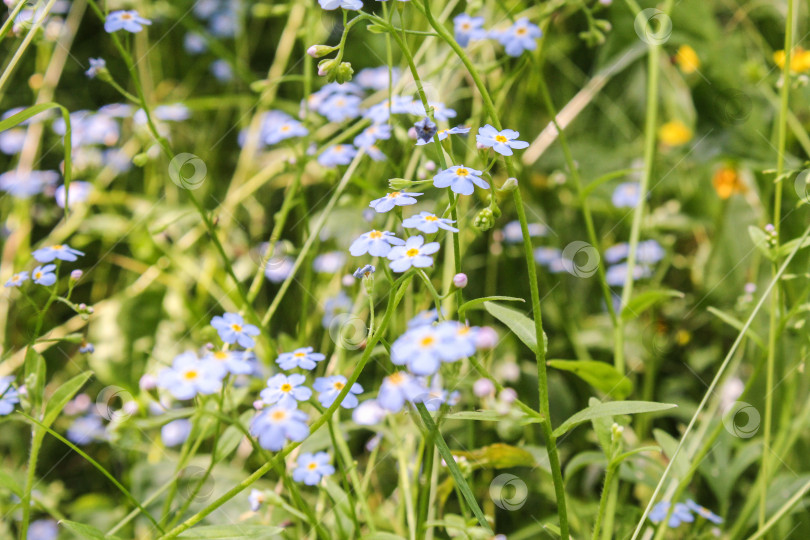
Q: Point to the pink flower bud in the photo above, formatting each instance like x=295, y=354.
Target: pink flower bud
x=508, y=395
x=412, y=133
x=460, y=280
x=487, y=338
x=147, y=382
x=76, y=275
x=430, y=166
x=483, y=388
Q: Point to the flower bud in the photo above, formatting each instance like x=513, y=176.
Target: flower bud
x=511, y=184
x=317, y=51
x=508, y=395
x=485, y=219
x=344, y=72
x=460, y=280
x=141, y=159
x=399, y=184
x=76, y=275
x=147, y=382
x=487, y=338
x=483, y=388
x=258, y=404
x=326, y=67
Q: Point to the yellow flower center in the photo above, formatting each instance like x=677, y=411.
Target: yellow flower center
x=501, y=138
x=190, y=375
x=286, y=387
x=465, y=26
x=427, y=341
x=462, y=172
x=520, y=31
x=374, y=235
x=221, y=355
x=396, y=378
x=413, y=252
x=279, y=415
x=37, y=275
x=285, y=127
x=312, y=466
x=431, y=218
x=299, y=354
x=236, y=327
x=338, y=385
x=126, y=16
x=393, y=195
x=58, y=247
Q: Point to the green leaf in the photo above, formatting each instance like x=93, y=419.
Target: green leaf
x=790, y=245
x=455, y=472
x=62, y=395
x=34, y=376
x=680, y=468
x=517, y=322
x=477, y=302
x=498, y=456
x=600, y=375
x=382, y=536
x=602, y=427
x=611, y=408
x=582, y=460
x=237, y=530
x=644, y=301
x=488, y=416
x=761, y=241
x=622, y=457
x=10, y=483
x=231, y=437
x=737, y=325
x=85, y=531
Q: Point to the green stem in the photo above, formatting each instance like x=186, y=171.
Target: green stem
x=540, y=353
x=777, y=218
x=650, y=132
x=603, y=500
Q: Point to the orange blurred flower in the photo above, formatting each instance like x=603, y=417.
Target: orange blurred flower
x=726, y=182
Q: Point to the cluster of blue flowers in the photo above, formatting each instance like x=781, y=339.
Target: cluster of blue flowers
x=682, y=513
x=421, y=349
x=45, y=274
x=191, y=375
x=94, y=135
x=516, y=39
